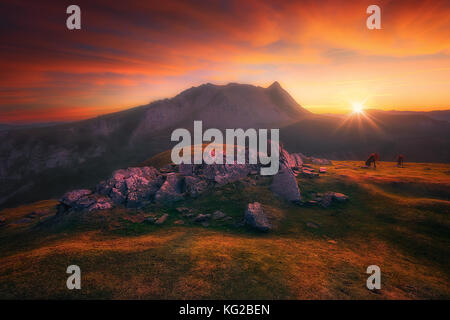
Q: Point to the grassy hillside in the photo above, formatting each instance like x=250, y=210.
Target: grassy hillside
x=396, y=218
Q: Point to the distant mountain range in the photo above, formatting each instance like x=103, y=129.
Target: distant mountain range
x=44, y=161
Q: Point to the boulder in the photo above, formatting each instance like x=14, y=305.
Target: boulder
x=171, y=190
x=133, y=187
x=194, y=186
x=256, y=218
x=285, y=185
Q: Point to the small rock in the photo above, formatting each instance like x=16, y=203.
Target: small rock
x=322, y=170
x=202, y=217
x=2, y=220
x=150, y=220
x=332, y=241
x=162, y=219
x=311, y=203
x=256, y=218
x=340, y=197
x=218, y=215
x=312, y=225
x=183, y=209
x=179, y=222
x=326, y=199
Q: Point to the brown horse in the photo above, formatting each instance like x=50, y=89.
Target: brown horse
x=373, y=158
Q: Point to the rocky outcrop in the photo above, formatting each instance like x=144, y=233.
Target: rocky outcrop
x=133, y=187
x=137, y=187
x=256, y=218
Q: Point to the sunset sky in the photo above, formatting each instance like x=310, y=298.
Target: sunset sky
x=132, y=53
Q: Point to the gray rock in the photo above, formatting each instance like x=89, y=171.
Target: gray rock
x=202, y=217
x=340, y=197
x=256, y=218
x=101, y=203
x=218, y=215
x=183, y=209
x=194, y=186
x=285, y=185
x=72, y=197
x=162, y=219
x=134, y=187
x=171, y=190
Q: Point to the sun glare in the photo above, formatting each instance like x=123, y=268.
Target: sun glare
x=357, y=107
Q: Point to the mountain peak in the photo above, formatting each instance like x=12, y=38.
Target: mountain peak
x=275, y=84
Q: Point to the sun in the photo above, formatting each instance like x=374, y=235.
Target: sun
x=357, y=107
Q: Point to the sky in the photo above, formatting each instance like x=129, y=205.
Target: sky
x=133, y=52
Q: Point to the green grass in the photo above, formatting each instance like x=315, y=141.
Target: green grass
x=396, y=218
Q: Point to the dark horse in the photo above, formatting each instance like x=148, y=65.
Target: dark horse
x=373, y=158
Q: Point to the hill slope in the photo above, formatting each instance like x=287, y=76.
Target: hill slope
x=35, y=163
x=395, y=218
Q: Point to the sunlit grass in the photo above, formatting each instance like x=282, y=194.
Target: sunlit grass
x=396, y=218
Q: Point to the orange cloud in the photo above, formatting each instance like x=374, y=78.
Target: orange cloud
x=130, y=53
